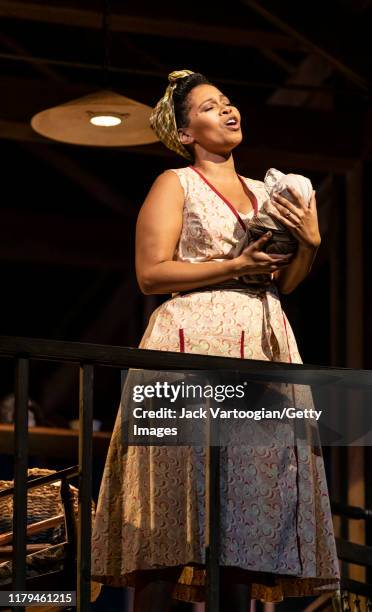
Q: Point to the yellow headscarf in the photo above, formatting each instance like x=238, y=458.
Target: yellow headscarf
x=163, y=119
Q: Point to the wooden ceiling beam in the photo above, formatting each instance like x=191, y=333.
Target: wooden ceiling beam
x=312, y=70
x=306, y=43
x=133, y=24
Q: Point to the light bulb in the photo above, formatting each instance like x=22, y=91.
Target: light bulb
x=105, y=120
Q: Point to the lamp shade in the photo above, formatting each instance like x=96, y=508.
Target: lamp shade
x=117, y=121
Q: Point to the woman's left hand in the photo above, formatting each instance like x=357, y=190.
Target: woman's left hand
x=300, y=218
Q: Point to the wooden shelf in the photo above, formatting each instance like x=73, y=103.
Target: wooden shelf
x=54, y=442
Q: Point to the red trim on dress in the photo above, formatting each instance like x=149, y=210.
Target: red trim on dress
x=242, y=344
x=231, y=206
x=182, y=340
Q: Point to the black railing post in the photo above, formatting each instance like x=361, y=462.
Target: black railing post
x=70, y=529
x=85, y=487
x=20, y=475
x=212, y=489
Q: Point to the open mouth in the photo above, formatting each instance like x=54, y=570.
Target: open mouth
x=232, y=123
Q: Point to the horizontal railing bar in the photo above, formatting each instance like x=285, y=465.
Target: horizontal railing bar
x=353, y=512
x=43, y=480
x=128, y=357
x=356, y=587
x=31, y=529
x=354, y=553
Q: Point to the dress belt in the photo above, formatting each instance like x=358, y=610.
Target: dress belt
x=273, y=315
x=234, y=284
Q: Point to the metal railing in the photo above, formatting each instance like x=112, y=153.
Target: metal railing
x=87, y=357
x=357, y=554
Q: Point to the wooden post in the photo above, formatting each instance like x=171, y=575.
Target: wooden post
x=354, y=340
x=354, y=267
x=337, y=254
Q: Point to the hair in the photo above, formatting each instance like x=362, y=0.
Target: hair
x=181, y=94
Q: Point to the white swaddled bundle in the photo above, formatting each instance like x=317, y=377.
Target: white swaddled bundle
x=276, y=181
x=282, y=241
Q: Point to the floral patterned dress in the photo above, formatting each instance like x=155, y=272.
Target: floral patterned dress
x=276, y=524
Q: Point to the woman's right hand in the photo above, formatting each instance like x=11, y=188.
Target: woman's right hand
x=253, y=260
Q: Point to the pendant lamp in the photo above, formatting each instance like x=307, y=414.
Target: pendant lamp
x=103, y=118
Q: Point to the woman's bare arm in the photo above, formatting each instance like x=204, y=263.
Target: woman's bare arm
x=158, y=230
x=287, y=280
x=303, y=224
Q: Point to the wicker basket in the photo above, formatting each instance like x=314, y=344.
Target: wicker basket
x=43, y=503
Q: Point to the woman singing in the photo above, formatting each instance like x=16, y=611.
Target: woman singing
x=276, y=528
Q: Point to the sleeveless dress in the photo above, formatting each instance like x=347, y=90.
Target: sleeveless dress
x=276, y=523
